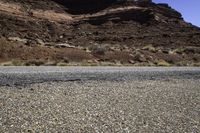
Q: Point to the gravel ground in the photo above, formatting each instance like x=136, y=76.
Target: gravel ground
x=169, y=105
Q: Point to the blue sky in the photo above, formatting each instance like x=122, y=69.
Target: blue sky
x=190, y=9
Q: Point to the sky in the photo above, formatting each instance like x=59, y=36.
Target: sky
x=190, y=9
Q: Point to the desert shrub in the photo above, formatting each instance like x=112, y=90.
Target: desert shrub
x=98, y=50
x=35, y=63
x=17, y=63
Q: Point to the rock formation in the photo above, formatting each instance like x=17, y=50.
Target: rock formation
x=136, y=32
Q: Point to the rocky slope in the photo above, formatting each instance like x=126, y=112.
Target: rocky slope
x=59, y=32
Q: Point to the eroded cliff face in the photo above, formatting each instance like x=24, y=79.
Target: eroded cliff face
x=74, y=6
x=133, y=32
x=84, y=6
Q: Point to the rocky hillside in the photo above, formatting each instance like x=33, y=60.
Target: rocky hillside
x=95, y=32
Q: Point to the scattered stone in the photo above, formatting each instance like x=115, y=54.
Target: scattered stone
x=165, y=51
x=50, y=63
x=64, y=45
x=92, y=61
x=140, y=57
x=124, y=47
x=131, y=62
x=171, y=52
x=87, y=50
x=149, y=48
x=162, y=62
x=40, y=42
x=49, y=44
x=62, y=64
x=17, y=39
x=179, y=50
x=115, y=48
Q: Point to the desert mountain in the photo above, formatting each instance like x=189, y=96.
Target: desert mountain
x=105, y=32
